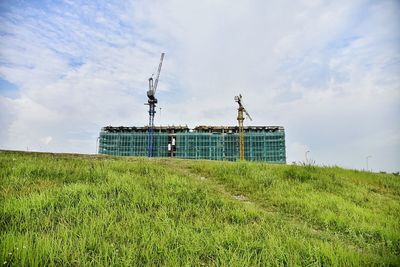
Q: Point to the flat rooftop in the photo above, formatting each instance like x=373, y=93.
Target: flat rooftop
x=198, y=129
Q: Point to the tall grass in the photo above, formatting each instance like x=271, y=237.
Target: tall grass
x=86, y=210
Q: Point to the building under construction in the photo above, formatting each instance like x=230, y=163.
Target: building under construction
x=262, y=143
x=253, y=143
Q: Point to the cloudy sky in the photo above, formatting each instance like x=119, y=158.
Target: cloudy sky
x=328, y=71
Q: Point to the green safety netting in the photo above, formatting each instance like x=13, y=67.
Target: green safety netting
x=259, y=146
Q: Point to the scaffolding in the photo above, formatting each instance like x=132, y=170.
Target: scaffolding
x=262, y=143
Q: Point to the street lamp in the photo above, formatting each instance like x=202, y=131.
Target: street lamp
x=367, y=161
x=97, y=145
x=308, y=151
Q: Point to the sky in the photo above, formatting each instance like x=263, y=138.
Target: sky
x=328, y=71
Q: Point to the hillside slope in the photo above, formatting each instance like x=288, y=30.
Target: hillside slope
x=59, y=209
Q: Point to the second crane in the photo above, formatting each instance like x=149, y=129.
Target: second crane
x=240, y=119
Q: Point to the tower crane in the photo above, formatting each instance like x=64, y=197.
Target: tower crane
x=152, y=101
x=240, y=119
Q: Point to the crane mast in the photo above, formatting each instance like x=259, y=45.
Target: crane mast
x=240, y=119
x=152, y=101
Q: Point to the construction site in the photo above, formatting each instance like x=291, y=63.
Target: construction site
x=252, y=143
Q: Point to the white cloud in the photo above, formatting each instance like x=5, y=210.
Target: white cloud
x=46, y=140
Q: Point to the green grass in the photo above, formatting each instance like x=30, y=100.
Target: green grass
x=75, y=210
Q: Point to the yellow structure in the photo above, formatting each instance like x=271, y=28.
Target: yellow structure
x=240, y=119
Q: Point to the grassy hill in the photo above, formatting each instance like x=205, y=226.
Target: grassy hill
x=76, y=210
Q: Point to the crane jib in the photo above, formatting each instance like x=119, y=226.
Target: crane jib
x=158, y=73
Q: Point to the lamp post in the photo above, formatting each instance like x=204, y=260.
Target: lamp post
x=367, y=158
x=308, y=151
x=159, y=117
x=97, y=145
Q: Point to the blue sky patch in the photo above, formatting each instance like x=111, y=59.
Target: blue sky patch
x=8, y=89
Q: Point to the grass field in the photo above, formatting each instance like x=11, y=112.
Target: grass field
x=76, y=210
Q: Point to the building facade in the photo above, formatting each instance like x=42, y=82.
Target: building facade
x=262, y=143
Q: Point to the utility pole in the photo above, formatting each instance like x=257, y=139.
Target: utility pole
x=160, y=116
x=97, y=145
x=308, y=151
x=367, y=158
